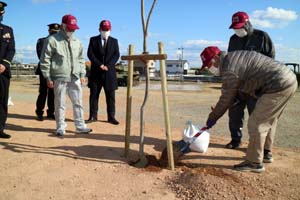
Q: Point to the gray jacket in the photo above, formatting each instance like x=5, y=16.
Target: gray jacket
x=62, y=59
x=251, y=73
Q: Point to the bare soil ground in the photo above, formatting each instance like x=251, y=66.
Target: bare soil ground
x=35, y=164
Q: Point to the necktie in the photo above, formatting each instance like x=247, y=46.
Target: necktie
x=104, y=43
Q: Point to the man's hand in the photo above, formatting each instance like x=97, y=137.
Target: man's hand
x=103, y=67
x=210, y=123
x=82, y=80
x=2, y=68
x=50, y=84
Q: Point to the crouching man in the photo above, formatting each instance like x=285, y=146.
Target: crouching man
x=254, y=74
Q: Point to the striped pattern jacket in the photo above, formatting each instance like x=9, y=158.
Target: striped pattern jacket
x=251, y=73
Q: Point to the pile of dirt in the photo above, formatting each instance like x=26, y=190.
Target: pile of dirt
x=209, y=183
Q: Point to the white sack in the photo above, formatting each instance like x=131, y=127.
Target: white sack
x=202, y=141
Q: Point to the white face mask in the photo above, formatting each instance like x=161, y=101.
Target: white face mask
x=69, y=34
x=214, y=70
x=105, y=34
x=240, y=32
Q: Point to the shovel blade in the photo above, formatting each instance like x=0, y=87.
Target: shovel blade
x=142, y=162
x=179, y=149
x=184, y=146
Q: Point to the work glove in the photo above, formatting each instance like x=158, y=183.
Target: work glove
x=210, y=123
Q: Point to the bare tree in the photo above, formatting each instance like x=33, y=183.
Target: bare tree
x=146, y=24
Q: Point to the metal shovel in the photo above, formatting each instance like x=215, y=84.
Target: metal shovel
x=181, y=147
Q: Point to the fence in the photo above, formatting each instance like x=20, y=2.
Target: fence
x=19, y=71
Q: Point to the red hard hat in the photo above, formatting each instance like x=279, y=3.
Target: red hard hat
x=105, y=25
x=207, y=54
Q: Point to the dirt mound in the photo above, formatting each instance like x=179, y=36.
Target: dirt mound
x=209, y=183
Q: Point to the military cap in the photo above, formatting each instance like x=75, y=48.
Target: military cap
x=2, y=5
x=54, y=27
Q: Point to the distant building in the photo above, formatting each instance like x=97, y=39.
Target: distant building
x=24, y=66
x=177, y=66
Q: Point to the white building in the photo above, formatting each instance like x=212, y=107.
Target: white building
x=176, y=66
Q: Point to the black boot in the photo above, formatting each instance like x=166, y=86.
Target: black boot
x=39, y=115
x=4, y=135
x=51, y=116
x=91, y=119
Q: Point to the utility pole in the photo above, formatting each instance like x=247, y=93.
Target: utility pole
x=181, y=57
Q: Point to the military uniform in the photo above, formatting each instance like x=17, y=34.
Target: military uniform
x=7, y=52
x=45, y=93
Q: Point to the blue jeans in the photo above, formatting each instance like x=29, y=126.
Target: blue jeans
x=236, y=116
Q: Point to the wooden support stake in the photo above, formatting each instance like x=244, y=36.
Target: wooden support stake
x=161, y=57
x=129, y=102
x=166, y=107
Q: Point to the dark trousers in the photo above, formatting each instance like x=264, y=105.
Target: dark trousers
x=45, y=93
x=95, y=89
x=236, y=117
x=4, y=92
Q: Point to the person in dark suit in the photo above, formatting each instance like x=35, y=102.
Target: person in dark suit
x=7, y=52
x=45, y=93
x=103, y=52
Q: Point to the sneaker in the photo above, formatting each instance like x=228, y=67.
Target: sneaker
x=60, y=133
x=232, y=145
x=249, y=166
x=268, y=158
x=84, y=130
x=4, y=135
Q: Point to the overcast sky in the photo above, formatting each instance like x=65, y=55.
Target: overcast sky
x=188, y=24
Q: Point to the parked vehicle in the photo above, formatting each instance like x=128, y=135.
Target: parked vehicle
x=296, y=70
x=122, y=74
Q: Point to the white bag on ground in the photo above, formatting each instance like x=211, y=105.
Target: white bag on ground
x=201, y=143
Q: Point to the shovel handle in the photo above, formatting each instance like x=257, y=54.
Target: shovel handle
x=204, y=128
x=188, y=143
